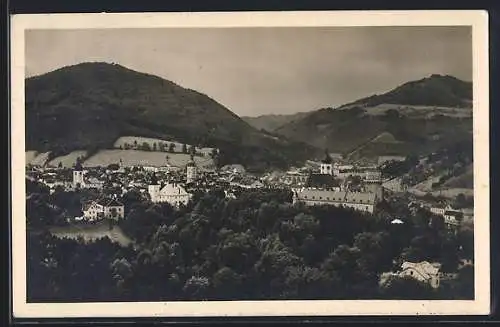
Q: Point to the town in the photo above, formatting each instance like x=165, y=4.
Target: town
x=330, y=181
x=325, y=182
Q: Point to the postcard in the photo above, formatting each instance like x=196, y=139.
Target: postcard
x=250, y=164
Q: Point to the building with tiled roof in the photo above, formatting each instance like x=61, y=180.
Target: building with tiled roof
x=361, y=201
x=173, y=193
x=104, y=208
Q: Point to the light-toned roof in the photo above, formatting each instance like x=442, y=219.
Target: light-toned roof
x=424, y=267
x=173, y=189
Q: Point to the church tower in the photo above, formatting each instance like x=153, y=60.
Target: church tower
x=154, y=189
x=78, y=176
x=191, y=171
x=326, y=167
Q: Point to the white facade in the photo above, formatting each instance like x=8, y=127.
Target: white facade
x=97, y=210
x=326, y=169
x=94, y=211
x=438, y=211
x=171, y=193
x=449, y=214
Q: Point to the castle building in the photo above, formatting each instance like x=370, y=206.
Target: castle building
x=361, y=201
x=172, y=193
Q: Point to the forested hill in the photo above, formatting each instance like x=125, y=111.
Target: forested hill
x=90, y=105
x=417, y=117
x=435, y=90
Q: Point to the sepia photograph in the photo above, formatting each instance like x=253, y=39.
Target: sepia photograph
x=250, y=164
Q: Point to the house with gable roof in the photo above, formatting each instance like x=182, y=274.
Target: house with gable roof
x=423, y=271
x=103, y=209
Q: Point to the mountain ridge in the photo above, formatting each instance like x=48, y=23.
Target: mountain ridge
x=89, y=105
x=347, y=127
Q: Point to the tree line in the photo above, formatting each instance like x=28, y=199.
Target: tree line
x=258, y=246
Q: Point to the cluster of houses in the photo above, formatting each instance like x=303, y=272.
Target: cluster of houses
x=159, y=184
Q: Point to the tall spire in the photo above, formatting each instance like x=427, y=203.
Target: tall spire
x=154, y=179
x=327, y=159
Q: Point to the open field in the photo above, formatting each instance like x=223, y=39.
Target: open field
x=143, y=158
x=449, y=193
x=40, y=159
x=68, y=160
x=131, y=140
x=92, y=232
x=30, y=155
x=385, y=137
x=420, y=111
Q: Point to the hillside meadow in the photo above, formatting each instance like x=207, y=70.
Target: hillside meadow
x=69, y=160
x=122, y=141
x=143, y=158
x=128, y=158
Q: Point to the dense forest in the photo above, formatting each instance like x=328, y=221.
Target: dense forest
x=257, y=246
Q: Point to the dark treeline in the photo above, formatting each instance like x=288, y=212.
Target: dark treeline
x=257, y=246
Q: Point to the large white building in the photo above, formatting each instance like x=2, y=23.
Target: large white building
x=172, y=193
x=361, y=201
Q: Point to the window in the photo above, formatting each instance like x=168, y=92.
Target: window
x=313, y=197
x=327, y=198
x=320, y=198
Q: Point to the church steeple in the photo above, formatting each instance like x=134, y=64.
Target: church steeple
x=328, y=159
x=154, y=180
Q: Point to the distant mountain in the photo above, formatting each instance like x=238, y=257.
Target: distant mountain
x=436, y=90
x=89, y=105
x=416, y=117
x=272, y=122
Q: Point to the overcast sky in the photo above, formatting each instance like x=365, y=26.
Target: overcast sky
x=255, y=71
